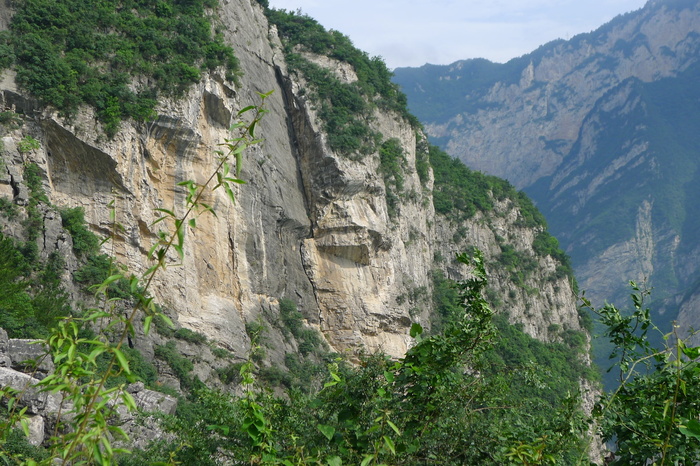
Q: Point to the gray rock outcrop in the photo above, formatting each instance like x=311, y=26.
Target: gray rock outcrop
x=43, y=407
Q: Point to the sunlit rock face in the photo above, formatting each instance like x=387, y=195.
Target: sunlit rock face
x=309, y=224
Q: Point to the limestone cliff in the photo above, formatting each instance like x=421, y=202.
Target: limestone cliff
x=310, y=225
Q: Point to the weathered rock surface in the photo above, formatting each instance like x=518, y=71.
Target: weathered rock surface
x=310, y=225
x=43, y=407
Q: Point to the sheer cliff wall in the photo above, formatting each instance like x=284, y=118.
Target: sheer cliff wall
x=309, y=225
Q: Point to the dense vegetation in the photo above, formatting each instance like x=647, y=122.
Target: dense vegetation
x=477, y=391
x=31, y=300
x=115, y=55
x=345, y=108
x=460, y=192
x=32, y=297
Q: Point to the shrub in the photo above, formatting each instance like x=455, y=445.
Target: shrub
x=180, y=365
x=28, y=144
x=291, y=317
x=10, y=119
x=230, y=374
x=8, y=208
x=84, y=241
x=190, y=336
x=75, y=52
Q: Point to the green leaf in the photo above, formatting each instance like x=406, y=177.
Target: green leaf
x=121, y=359
x=393, y=426
x=25, y=426
x=111, y=279
x=692, y=352
x=416, y=329
x=368, y=459
x=129, y=401
x=180, y=233
x=390, y=444
x=170, y=213
x=251, y=129
x=180, y=251
x=107, y=445
x=334, y=461
x=97, y=453
x=239, y=161
x=96, y=352
x=246, y=109
x=147, y=324
x=691, y=428
x=327, y=431
x=229, y=193
x=133, y=284
x=167, y=320
x=209, y=208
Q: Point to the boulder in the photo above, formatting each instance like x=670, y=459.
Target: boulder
x=29, y=356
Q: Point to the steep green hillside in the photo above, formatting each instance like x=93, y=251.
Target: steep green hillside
x=660, y=119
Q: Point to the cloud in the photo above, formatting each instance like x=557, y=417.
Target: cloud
x=414, y=32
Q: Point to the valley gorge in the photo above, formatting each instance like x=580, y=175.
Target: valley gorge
x=600, y=130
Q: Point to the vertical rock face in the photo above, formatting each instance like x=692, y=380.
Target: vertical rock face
x=357, y=257
x=309, y=225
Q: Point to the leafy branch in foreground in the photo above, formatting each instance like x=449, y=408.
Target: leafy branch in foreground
x=652, y=417
x=83, y=433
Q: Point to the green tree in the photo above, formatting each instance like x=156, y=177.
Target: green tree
x=15, y=302
x=652, y=417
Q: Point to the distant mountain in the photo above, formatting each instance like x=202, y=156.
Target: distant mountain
x=603, y=131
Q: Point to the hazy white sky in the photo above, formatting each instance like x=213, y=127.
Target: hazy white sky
x=415, y=32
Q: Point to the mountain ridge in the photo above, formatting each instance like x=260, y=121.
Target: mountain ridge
x=573, y=122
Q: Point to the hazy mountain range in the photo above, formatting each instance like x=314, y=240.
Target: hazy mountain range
x=602, y=132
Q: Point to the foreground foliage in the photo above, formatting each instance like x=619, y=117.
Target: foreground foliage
x=652, y=417
x=448, y=401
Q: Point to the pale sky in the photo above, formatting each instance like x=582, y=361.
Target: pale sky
x=415, y=32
